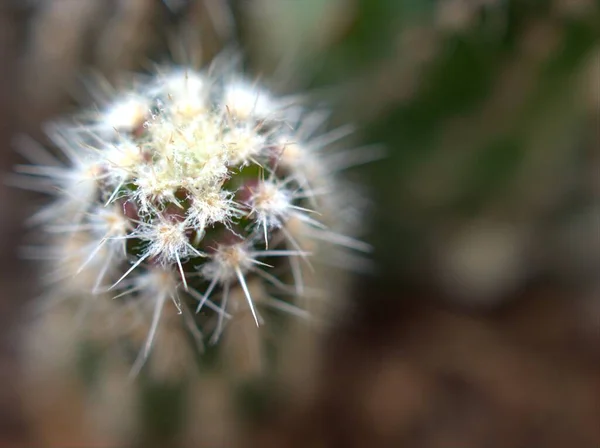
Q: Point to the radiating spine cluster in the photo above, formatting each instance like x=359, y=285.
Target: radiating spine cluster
x=182, y=188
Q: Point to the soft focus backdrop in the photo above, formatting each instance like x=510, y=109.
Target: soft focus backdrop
x=479, y=322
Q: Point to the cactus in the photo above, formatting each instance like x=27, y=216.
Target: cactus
x=186, y=211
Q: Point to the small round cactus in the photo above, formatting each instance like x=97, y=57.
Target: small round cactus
x=186, y=186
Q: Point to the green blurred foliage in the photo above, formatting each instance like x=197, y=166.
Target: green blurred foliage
x=497, y=119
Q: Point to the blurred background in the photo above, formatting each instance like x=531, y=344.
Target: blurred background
x=478, y=323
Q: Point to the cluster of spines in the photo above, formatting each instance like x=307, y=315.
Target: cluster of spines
x=192, y=179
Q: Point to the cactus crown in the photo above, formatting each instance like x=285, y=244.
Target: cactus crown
x=183, y=186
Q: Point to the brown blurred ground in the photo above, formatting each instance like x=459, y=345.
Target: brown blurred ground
x=417, y=375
